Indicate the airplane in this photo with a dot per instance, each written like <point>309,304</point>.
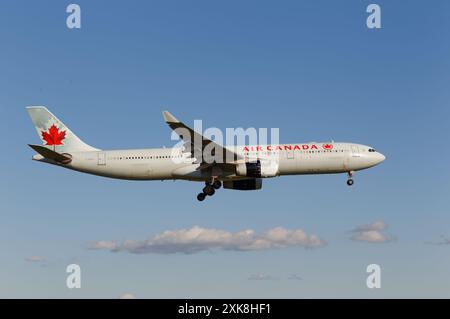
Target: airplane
<point>234,167</point>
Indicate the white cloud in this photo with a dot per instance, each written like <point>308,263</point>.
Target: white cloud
<point>262,276</point>
<point>372,236</point>
<point>103,244</point>
<point>127,296</point>
<point>35,259</point>
<point>197,239</point>
<point>294,277</point>
<point>443,241</point>
<point>371,233</point>
<point>377,226</point>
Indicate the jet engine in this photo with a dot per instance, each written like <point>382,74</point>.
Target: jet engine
<point>257,169</point>
<point>244,184</point>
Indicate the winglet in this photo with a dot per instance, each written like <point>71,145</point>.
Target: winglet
<point>169,118</point>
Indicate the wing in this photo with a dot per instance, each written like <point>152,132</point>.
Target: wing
<point>207,152</point>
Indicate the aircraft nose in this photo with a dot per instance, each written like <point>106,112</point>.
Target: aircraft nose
<point>381,157</point>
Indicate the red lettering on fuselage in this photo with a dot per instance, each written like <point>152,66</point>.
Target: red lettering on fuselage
<point>290,147</point>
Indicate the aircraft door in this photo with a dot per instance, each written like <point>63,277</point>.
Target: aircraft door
<point>355,151</point>
<point>288,165</point>
<point>101,159</point>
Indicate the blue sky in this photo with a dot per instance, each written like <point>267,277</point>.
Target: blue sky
<point>311,68</point>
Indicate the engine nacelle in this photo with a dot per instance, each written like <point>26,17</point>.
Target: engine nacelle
<point>257,169</point>
<point>244,185</point>
<point>249,169</point>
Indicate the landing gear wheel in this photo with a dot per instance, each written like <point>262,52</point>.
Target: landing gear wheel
<point>350,182</point>
<point>217,184</point>
<point>201,197</point>
<point>209,190</point>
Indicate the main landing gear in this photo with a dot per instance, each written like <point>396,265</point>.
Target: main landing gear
<point>350,180</point>
<point>209,189</point>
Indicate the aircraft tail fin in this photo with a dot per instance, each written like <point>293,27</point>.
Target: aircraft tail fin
<point>54,134</point>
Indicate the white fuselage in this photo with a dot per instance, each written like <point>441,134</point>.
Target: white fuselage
<point>172,163</point>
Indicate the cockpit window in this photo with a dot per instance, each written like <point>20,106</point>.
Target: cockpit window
<point>371,150</point>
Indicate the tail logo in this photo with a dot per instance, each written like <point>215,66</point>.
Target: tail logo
<point>53,136</point>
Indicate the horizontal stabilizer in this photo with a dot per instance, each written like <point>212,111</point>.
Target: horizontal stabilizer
<point>52,155</point>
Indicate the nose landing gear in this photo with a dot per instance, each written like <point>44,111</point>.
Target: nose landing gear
<point>350,180</point>
<point>209,189</point>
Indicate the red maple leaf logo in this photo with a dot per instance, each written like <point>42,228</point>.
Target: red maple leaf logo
<point>53,136</point>
<point>327,146</point>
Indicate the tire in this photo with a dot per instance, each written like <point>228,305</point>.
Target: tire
<point>201,197</point>
<point>217,184</point>
<point>350,182</point>
<point>209,190</point>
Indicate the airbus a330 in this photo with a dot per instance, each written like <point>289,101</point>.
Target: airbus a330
<point>237,167</point>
